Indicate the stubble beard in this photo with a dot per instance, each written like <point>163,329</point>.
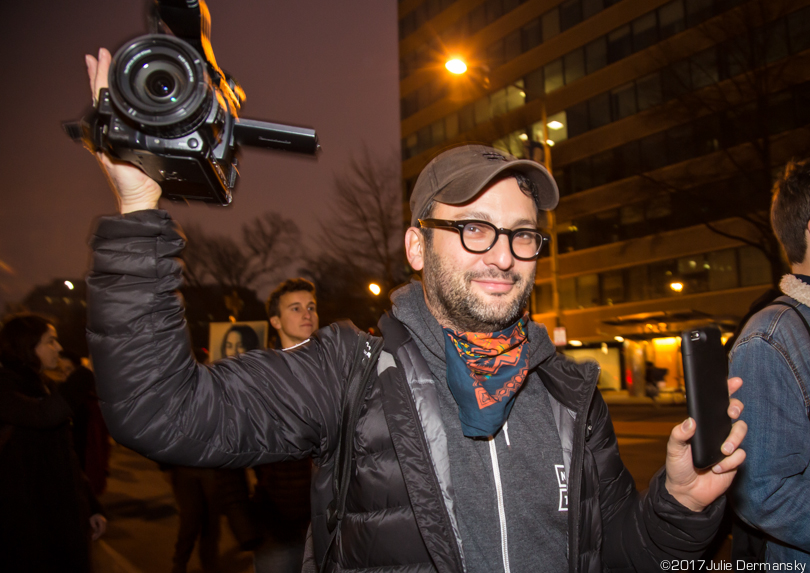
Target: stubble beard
<point>452,301</point>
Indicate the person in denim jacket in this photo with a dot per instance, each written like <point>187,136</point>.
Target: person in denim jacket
<point>772,490</point>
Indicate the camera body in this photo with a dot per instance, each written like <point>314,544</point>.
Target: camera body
<point>172,112</point>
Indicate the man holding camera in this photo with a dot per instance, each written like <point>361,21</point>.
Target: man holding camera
<point>477,448</point>
<point>772,493</point>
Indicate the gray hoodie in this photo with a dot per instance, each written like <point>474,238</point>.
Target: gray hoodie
<point>509,491</point>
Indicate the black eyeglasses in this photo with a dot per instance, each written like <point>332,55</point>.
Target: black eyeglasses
<point>479,237</point>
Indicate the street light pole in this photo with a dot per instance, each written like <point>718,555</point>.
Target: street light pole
<point>552,227</point>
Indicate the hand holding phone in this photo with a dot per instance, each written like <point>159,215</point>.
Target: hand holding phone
<point>705,371</point>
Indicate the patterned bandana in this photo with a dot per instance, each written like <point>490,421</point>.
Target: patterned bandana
<point>484,372</point>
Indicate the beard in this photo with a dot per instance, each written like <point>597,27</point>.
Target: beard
<point>449,295</point>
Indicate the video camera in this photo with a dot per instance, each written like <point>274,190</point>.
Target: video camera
<point>171,111</point>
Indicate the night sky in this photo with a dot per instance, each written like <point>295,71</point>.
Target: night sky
<point>317,63</point>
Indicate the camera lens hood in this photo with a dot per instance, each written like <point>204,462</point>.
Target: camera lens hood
<point>161,83</point>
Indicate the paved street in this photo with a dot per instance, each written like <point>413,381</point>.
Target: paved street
<point>143,522</point>
<point>143,519</point>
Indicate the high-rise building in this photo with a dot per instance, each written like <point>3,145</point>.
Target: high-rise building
<point>665,122</point>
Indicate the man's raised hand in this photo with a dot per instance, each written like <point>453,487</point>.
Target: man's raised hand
<point>133,188</point>
<point>695,488</point>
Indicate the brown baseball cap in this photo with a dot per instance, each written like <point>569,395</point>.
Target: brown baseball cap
<point>456,176</point>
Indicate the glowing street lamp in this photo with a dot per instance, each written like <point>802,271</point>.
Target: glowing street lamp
<point>69,285</point>
<point>456,66</point>
<point>676,286</point>
<point>375,289</point>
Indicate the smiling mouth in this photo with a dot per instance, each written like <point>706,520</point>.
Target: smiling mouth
<point>494,286</point>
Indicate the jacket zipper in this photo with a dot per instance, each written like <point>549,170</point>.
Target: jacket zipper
<point>575,477</point>
<point>501,511</point>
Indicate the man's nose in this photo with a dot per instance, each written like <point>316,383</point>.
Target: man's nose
<point>500,255</point>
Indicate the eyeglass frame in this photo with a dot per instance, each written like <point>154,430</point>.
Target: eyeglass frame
<point>510,233</point>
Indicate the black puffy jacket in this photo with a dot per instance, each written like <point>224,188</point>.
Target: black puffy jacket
<point>268,406</point>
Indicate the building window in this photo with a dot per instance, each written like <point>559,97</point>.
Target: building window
<point>577,119</point>
<point>654,152</point>
<point>587,291</point>
<point>551,24</point>
<point>773,40</point>
<point>494,10</point>
<point>494,54</point>
<point>482,111</point>
<point>574,65</point>
<point>515,96</point>
<point>754,267</point>
<point>532,35</point>
<point>591,8</point>
<point>649,91</point>
<point>599,111</point>
<point>498,103</point>
<point>596,55</point>
<point>477,18</point>
<point>671,19</point>
<point>554,75</point>
<point>512,47</point>
<point>645,32</point>
<point>722,266</point>
<point>570,14</point>
<point>799,30</point>
<point>623,101</point>
<point>704,69</point>
<point>698,11</point>
<point>451,125</point>
<point>535,85</point>
<point>466,118</point>
<point>612,288</point>
<point>619,44</point>
<point>437,132</point>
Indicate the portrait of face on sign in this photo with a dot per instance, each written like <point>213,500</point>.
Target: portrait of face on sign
<point>229,339</point>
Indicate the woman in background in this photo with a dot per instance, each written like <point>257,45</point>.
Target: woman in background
<point>47,513</point>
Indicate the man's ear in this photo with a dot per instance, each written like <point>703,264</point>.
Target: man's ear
<point>275,322</point>
<point>415,248</point>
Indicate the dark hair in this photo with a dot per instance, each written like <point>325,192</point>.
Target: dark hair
<point>19,338</point>
<point>288,286</point>
<point>526,185</point>
<point>790,209</point>
<point>250,340</point>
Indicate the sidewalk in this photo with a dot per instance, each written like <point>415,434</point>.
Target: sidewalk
<point>143,522</point>
<point>623,397</point>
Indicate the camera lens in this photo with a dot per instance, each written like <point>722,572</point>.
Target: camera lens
<point>160,85</point>
<point>159,82</point>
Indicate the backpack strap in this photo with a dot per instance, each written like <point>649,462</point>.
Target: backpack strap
<point>366,354</point>
<point>801,316</point>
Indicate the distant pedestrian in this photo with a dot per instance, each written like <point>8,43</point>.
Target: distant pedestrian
<point>48,514</point>
<point>282,488</point>
<point>90,436</point>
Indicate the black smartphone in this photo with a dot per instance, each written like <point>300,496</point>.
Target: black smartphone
<point>705,371</point>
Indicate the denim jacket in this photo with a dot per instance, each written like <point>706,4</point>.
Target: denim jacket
<point>772,488</point>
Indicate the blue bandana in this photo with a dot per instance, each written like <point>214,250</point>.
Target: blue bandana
<point>484,372</point>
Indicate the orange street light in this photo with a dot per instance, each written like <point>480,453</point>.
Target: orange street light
<point>375,289</point>
<point>456,66</point>
<point>676,286</point>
